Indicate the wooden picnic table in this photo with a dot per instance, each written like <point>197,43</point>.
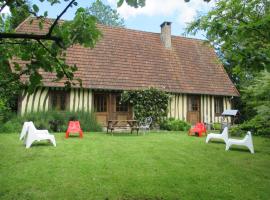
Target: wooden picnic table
<point>133,124</point>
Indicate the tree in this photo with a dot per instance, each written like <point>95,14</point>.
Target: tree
<point>239,30</point>
<point>257,99</point>
<point>105,14</point>
<point>46,52</point>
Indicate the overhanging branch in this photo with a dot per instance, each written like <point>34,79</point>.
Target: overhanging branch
<point>58,18</point>
<point>28,36</point>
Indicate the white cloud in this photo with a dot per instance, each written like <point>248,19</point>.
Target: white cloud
<point>5,10</point>
<point>184,12</point>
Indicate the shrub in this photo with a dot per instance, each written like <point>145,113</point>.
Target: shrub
<point>172,124</point>
<point>52,120</point>
<point>216,126</point>
<point>259,125</point>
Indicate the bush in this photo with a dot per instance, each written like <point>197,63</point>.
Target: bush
<point>258,126</point>
<point>216,126</point>
<point>52,120</point>
<point>172,124</point>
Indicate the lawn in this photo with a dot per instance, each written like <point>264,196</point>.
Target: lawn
<point>155,166</point>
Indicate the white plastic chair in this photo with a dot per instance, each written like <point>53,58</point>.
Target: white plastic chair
<point>223,136</point>
<point>24,130</point>
<point>145,125</point>
<point>247,141</point>
<point>32,135</point>
<point>26,127</point>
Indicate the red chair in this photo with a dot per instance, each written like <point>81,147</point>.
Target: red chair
<point>74,127</point>
<point>199,128</point>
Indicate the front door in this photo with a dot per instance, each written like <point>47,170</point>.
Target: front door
<point>193,114</point>
<point>101,107</point>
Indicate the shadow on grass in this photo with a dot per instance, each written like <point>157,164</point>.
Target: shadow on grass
<point>41,144</point>
<point>241,150</point>
<point>126,134</point>
<point>216,142</point>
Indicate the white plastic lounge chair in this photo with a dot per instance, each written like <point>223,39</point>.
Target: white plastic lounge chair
<point>223,136</point>
<point>247,141</point>
<point>24,130</point>
<point>33,135</point>
<point>26,127</point>
<point>145,125</point>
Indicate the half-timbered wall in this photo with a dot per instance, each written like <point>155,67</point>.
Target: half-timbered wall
<point>36,102</point>
<point>81,100</point>
<point>178,107</point>
<point>39,100</point>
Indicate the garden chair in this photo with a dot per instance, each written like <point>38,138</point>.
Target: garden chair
<point>26,128</point>
<point>145,124</point>
<point>199,128</point>
<point>223,136</point>
<point>247,142</point>
<point>74,127</point>
<point>33,135</point>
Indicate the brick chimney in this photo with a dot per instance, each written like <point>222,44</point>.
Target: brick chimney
<point>165,36</point>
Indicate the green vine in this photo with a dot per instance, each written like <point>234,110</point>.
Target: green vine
<point>148,103</point>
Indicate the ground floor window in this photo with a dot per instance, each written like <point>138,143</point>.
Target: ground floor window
<point>121,106</point>
<point>218,106</point>
<point>58,100</point>
<point>100,102</point>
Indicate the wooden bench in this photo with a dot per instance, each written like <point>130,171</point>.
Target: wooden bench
<point>132,124</point>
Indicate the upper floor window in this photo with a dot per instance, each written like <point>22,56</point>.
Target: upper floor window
<point>121,106</point>
<point>218,106</point>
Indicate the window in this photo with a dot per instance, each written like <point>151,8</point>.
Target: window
<point>218,106</point>
<point>100,103</point>
<point>58,100</point>
<point>194,103</point>
<point>121,106</point>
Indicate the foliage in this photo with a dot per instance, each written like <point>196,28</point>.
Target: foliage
<point>48,53</point>
<point>8,95</point>
<point>257,98</point>
<point>239,30</point>
<point>217,126</point>
<point>148,103</point>
<point>19,13</point>
<point>52,120</point>
<point>172,124</point>
<point>105,14</point>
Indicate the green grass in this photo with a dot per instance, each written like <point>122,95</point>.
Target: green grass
<point>155,166</point>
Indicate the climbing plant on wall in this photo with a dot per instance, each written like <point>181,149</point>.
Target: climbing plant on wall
<point>148,102</point>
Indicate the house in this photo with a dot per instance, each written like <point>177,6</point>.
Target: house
<point>127,59</point>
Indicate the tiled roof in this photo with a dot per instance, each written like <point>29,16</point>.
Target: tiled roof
<point>127,59</point>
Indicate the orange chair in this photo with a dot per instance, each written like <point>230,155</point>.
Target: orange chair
<point>199,128</point>
<point>74,127</point>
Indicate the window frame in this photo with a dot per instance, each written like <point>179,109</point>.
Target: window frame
<point>218,105</point>
<point>119,106</point>
<point>100,104</point>
<point>56,100</point>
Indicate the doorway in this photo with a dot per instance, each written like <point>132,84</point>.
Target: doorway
<point>193,114</point>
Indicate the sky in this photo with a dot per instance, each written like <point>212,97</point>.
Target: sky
<point>147,18</point>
